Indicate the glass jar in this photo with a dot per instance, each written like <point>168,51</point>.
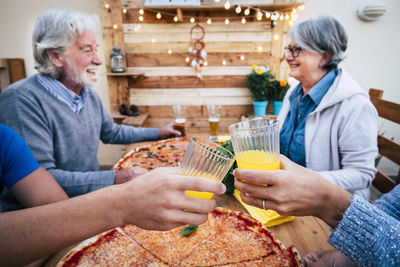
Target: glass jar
<point>117,60</point>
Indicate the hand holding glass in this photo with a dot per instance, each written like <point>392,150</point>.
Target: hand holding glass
<point>256,144</point>
<point>180,118</point>
<point>205,159</point>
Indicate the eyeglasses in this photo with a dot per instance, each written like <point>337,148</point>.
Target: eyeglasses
<point>293,50</point>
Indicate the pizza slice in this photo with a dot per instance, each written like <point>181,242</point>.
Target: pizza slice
<point>233,238</point>
<point>169,246</point>
<point>110,249</point>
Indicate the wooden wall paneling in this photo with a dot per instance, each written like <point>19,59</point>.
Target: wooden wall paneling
<point>187,82</point>
<point>188,71</point>
<point>227,111</point>
<point>117,86</point>
<point>195,97</point>
<point>240,47</point>
<point>213,59</point>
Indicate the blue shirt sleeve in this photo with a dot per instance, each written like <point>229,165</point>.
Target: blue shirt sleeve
<point>16,160</point>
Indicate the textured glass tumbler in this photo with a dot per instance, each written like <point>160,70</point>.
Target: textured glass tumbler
<point>205,159</point>
<point>256,144</point>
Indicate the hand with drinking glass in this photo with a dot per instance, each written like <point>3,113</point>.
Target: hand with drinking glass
<point>180,118</point>
<point>256,146</point>
<point>205,159</point>
<point>214,112</point>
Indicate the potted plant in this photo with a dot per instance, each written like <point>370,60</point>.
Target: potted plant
<point>259,82</point>
<point>280,89</point>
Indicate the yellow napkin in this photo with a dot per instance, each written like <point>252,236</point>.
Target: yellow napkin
<point>267,217</point>
<point>223,138</point>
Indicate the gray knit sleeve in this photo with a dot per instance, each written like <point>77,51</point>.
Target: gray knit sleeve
<point>368,235</point>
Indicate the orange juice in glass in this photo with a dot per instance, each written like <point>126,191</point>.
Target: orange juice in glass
<point>205,159</point>
<point>256,144</point>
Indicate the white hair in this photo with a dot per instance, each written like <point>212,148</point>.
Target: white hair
<point>320,35</point>
<point>58,29</point>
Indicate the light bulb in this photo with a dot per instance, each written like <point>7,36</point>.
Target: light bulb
<point>141,11</point>
<point>291,22</point>
<point>243,20</point>
<point>107,6</point>
<point>124,10</point>
<point>205,63</point>
<point>209,21</point>
<point>176,19</point>
<point>187,59</point>
<point>217,1</point>
<point>224,62</point>
<point>153,40</point>
<point>226,21</point>
<point>287,17</point>
<point>267,15</point>
<point>259,15</point>
<point>242,57</point>
<point>158,16</point>
<point>227,5</point>
<point>301,7</point>
<point>238,9</point>
<point>192,20</point>
<point>140,18</point>
<point>259,49</point>
<point>115,26</point>
<point>276,37</point>
<point>169,51</point>
<point>247,11</point>
<point>282,17</point>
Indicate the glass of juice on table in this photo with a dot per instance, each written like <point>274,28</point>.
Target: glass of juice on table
<point>256,144</point>
<point>205,159</point>
<point>213,118</point>
<point>180,118</point>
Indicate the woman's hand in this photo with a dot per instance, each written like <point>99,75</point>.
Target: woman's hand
<point>293,190</point>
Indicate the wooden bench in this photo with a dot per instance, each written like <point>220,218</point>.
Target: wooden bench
<point>387,148</point>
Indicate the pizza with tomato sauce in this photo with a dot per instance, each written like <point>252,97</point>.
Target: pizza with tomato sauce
<point>165,153</point>
<point>228,238</point>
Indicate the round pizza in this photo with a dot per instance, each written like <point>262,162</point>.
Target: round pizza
<point>228,238</point>
<point>165,153</point>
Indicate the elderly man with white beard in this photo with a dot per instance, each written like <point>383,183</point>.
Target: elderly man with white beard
<point>57,112</point>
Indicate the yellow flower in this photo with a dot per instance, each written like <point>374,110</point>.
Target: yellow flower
<point>260,71</point>
<point>282,83</point>
<point>253,67</point>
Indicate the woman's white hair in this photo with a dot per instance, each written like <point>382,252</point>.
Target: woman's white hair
<point>58,29</point>
<point>323,34</point>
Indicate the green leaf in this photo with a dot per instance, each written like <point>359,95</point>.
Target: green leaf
<point>229,180</point>
<point>189,229</point>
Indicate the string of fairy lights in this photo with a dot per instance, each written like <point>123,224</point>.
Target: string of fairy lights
<point>244,13</point>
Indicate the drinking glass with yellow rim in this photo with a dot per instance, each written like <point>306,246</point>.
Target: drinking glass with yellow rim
<point>256,144</point>
<point>205,159</point>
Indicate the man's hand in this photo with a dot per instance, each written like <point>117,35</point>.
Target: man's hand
<point>329,258</point>
<point>157,200</point>
<point>167,131</point>
<point>126,175</point>
<point>293,190</point>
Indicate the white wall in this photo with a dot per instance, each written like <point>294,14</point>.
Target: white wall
<point>373,51</point>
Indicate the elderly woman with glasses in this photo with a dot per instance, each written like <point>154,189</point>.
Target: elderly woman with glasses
<point>329,125</point>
